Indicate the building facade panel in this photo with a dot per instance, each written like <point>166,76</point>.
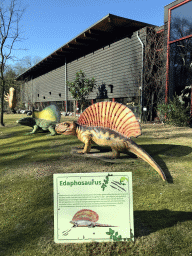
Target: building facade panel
<point>48,87</point>
<point>116,65</point>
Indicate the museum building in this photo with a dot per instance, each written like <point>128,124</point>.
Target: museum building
<point>113,51</point>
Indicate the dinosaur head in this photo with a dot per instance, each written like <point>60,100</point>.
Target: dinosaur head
<point>28,121</point>
<point>66,128</point>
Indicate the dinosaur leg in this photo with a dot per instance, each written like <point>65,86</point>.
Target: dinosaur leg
<point>134,148</point>
<point>87,147</point>
<point>115,153</point>
<point>35,128</point>
<point>52,130</point>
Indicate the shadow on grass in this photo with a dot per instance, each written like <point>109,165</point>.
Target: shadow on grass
<point>147,222</point>
<point>169,150</point>
<point>28,155</point>
<point>155,149</point>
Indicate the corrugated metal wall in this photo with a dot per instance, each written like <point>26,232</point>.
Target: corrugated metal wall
<point>118,64</point>
<point>50,86</point>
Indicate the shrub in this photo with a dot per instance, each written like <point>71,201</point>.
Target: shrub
<point>174,113</point>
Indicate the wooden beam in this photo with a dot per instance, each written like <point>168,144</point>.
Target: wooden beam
<point>98,32</point>
<point>81,41</point>
<point>90,37</point>
<point>76,47</point>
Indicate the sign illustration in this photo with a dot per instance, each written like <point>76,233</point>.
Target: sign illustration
<point>93,207</point>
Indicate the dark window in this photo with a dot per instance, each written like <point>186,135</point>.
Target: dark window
<point>181,21</point>
<point>180,55</point>
<point>180,66</point>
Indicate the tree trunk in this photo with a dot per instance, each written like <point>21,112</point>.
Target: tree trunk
<point>2,102</point>
<point>151,109</point>
<point>75,107</point>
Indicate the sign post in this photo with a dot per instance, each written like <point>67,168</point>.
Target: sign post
<point>93,207</point>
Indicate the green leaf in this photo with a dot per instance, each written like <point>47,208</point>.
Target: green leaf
<point>111,231</point>
<point>114,238</point>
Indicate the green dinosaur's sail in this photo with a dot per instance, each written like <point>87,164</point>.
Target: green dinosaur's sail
<point>50,113</point>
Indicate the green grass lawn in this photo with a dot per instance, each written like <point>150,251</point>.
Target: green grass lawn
<point>162,210</point>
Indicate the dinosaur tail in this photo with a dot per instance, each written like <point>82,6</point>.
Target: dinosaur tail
<point>104,225</point>
<point>134,148</point>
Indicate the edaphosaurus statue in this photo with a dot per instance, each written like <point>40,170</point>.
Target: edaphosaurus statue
<point>108,124</point>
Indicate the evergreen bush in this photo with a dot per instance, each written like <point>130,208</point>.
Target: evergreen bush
<point>174,112</point>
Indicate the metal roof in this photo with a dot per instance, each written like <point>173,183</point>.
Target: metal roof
<point>107,30</point>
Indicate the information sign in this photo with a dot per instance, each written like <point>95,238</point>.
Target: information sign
<point>93,207</point>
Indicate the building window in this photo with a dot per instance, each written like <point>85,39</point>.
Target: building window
<point>111,88</point>
<point>180,67</point>
<point>180,49</point>
<point>181,21</point>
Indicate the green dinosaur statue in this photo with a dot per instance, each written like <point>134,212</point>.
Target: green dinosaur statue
<point>44,120</point>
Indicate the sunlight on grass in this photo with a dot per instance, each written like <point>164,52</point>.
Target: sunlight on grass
<point>162,210</point>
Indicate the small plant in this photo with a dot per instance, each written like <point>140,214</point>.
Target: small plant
<point>106,181</point>
<point>132,236</point>
<point>174,113</point>
<point>81,87</point>
<point>114,235</point>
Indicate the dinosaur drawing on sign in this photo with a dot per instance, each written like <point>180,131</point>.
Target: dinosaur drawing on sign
<point>85,218</point>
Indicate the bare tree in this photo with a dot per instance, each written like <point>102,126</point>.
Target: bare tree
<point>154,70</point>
<point>10,17</point>
<point>28,61</point>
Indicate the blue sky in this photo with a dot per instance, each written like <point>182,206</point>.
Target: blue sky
<point>49,24</point>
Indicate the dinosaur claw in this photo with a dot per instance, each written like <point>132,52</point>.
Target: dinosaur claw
<point>80,152</point>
